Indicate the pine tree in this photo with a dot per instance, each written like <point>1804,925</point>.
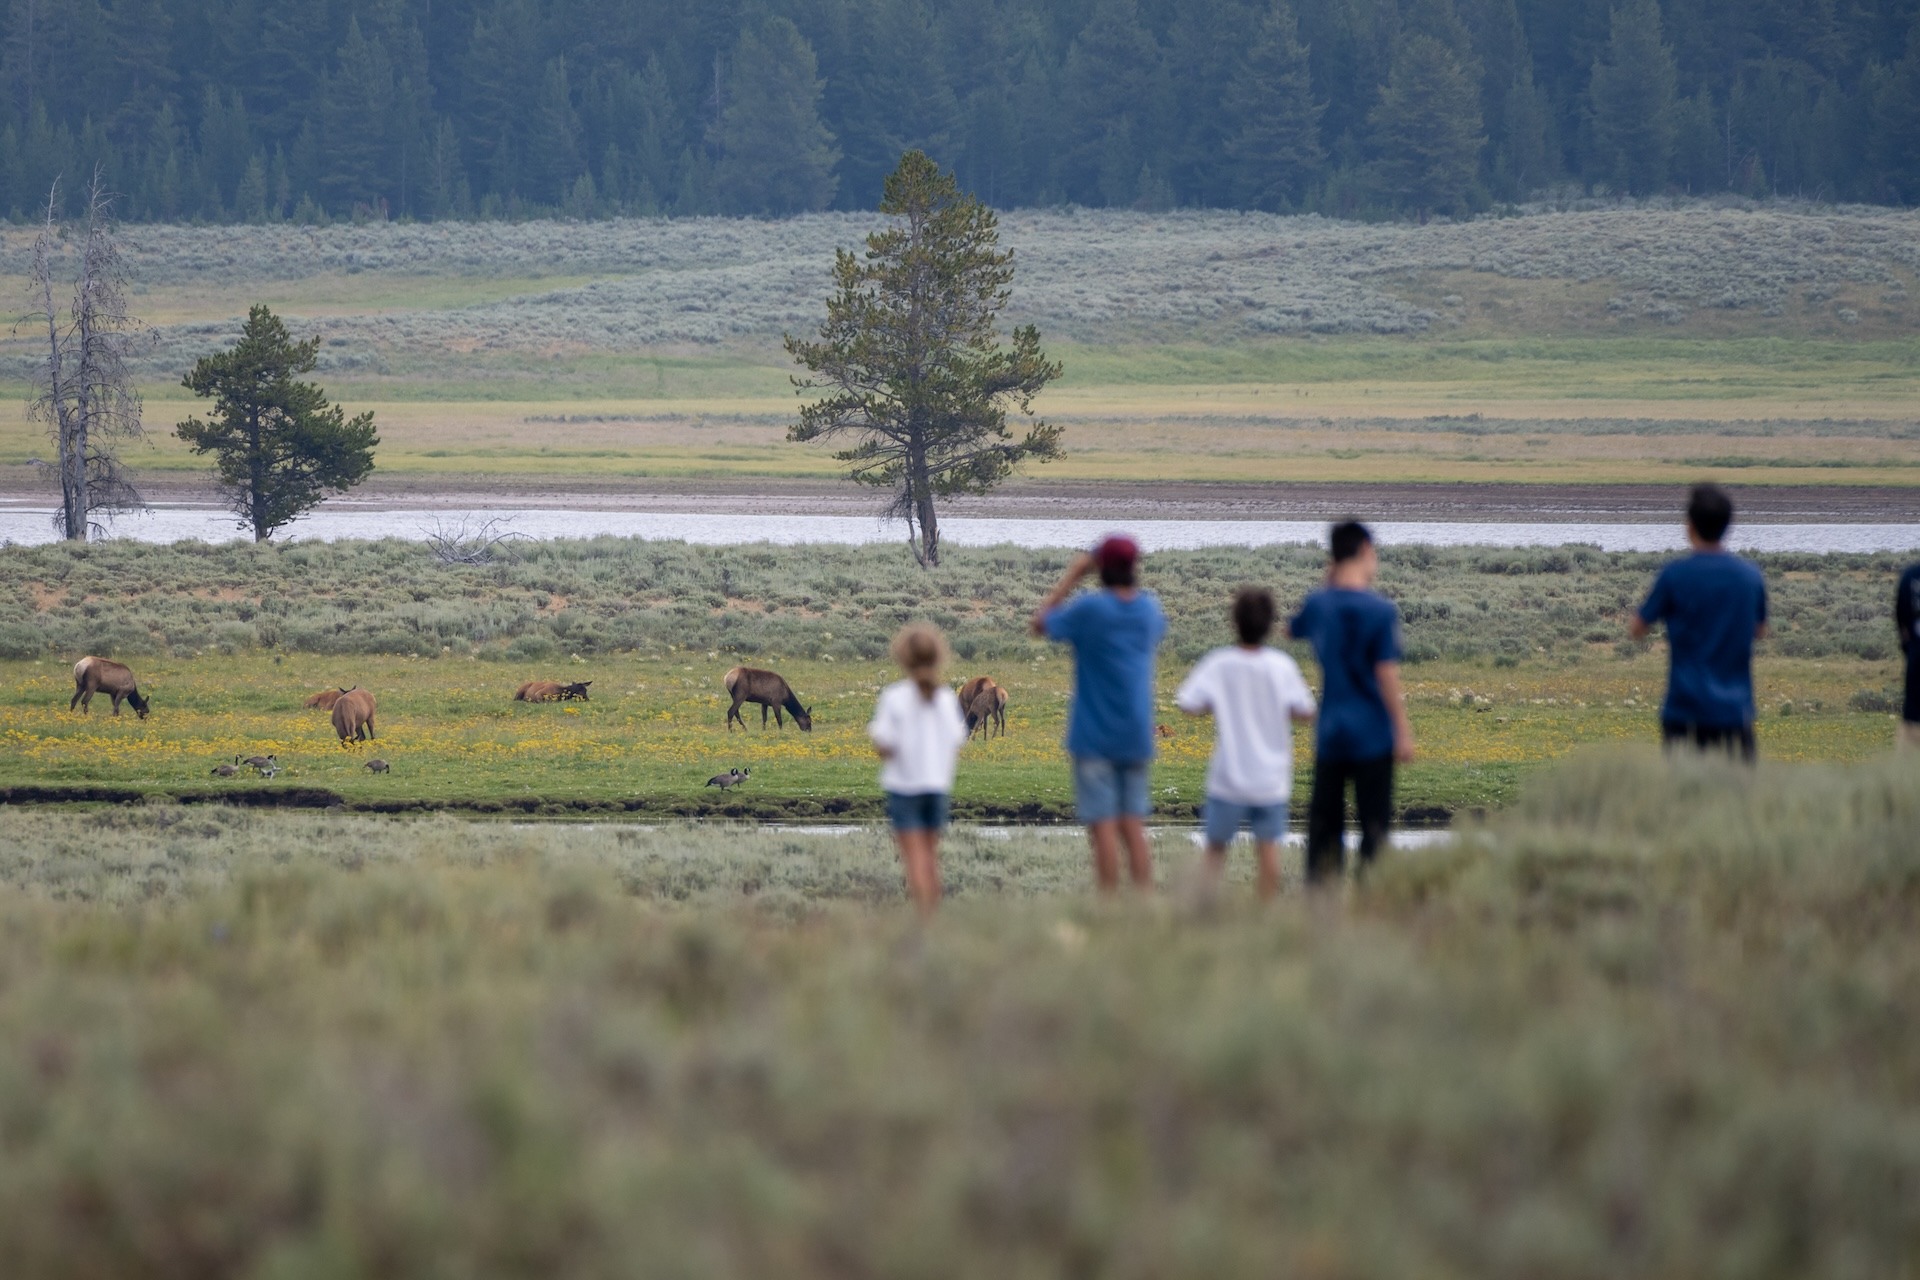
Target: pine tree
<point>1631,96</point>
<point>357,119</point>
<point>279,447</point>
<point>1426,130</point>
<point>250,195</point>
<point>1273,119</point>
<point>553,163</point>
<point>909,362</point>
<point>893,97</point>
<point>776,157</point>
<point>1112,96</point>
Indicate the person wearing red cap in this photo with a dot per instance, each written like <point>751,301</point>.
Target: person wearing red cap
<point>1115,633</point>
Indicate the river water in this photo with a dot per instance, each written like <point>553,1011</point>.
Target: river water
<point>30,523</point>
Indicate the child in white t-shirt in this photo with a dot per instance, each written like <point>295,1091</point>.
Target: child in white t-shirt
<point>1254,694</point>
<point>918,730</point>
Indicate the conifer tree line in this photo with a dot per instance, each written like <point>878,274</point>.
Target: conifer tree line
<point>250,110</point>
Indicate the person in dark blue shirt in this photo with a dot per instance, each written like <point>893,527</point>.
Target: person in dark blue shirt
<point>1364,730</point>
<point>1715,607</point>
<point>1906,617</point>
<point>1115,633</point>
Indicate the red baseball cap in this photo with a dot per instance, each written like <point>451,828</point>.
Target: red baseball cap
<point>1117,552</point>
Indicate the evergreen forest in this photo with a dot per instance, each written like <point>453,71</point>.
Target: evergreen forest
<point>258,110</point>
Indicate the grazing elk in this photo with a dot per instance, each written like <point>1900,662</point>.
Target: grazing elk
<point>770,691</point>
<point>325,699</point>
<point>971,690</point>
<point>353,716</point>
<point>99,675</point>
<point>987,711</point>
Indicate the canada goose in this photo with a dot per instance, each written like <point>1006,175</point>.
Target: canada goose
<point>225,770</point>
<point>377,766</point>
<point>267,765</point>
<point>731,778</point>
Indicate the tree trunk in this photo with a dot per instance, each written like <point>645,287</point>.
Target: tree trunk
<point>920,504</point>
<point>929,527</point>
<point>257,480</point>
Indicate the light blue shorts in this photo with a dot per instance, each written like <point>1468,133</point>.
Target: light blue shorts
<point>1224,819</point>
<point>1107,789</point>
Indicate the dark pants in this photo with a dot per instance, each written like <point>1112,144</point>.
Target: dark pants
<point>1734,740</point>
<point>1327,811</point>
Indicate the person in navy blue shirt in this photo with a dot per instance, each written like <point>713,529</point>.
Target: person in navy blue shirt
<point>1364,730</point>
<point>1715,607</point>
<point>1906,617</point>
<point>1114,633</point>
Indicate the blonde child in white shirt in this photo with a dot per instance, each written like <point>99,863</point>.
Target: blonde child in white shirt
<point>918,730</point>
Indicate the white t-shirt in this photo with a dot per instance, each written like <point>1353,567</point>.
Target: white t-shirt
<point>925,738</point>
<point>1252,695</point>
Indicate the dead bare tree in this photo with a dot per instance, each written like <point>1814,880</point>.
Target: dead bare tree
<point>86,393</point>
<point>471,540</point>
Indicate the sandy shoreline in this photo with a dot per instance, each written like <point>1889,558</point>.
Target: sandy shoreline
<point>1032,499</point>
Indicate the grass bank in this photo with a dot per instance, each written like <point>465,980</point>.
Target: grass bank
<point>1656,1023</point>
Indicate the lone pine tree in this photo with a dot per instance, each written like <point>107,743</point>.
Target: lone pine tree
<point>909,357</point>
<point>279,447</point>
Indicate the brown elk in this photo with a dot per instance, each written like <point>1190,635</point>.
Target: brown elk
<point>99,675</point>
<point>325,699</point>
<point>353,716</point>
<point>551,691</point>
<point>987,710</point>
<point>770,691</point>
<point>971,690</point>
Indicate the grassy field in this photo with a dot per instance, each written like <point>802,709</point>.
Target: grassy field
<point>654,734</point>
<point>1639,345</point>
<point>1654,1021</point>
<point>1516,659</point>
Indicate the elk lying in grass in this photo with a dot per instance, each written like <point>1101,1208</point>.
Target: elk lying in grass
<point>100,675</point>
<point>552,691</point>
<point>353,716</point>
<point>770,691</point>
<point>325,699</point>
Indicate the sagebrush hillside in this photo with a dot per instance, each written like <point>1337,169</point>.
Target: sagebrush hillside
<point>429,298</point>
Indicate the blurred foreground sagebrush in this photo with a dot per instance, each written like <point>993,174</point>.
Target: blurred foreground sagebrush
<point>1649,1023</point>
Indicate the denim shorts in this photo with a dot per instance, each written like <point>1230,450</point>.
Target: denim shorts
<point>1108,789</point>
<point>1224,819</point>
<point>924,812</point>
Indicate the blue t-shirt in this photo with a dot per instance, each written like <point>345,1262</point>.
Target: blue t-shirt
<point>1712,603</point>
<point>1352,633</point>
<point>1113,648</point>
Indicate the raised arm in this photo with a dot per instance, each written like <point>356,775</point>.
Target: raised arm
<point>1082,565</point>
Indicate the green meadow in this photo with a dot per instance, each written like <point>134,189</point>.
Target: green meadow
<point>1515,659</point>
